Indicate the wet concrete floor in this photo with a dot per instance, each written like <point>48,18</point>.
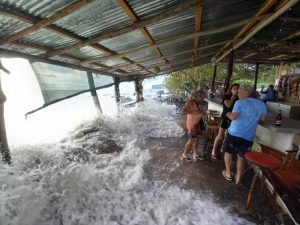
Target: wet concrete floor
<point>206,177</point>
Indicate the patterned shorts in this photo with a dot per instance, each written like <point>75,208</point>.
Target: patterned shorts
<point>194,132</point>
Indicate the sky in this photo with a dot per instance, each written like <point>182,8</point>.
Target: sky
<point>53,122</point>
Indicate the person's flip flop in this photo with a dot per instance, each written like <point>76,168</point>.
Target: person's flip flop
<point>187,159</point>
<point>236,181</point>
<point>214,157</point>
<point>225,176</point>
<point>198,158</point>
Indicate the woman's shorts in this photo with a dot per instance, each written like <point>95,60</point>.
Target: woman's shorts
<point>194,132</point>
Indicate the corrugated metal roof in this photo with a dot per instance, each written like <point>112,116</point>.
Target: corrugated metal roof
<point>98,17</point>
<point>173,26</point>
<point>126,42</point>
<point>46,38</point>
<point>145,8</point>
<point>10,26</point>
<point>115,33</point>
<point>38,8</point>
<point>87,52</point>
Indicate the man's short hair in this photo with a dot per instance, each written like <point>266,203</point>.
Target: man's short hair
<point>248,88</point>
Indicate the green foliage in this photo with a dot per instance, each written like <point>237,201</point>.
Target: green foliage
<point>266,75</point>
<point>189,79</point>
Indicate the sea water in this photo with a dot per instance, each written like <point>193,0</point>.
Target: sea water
<point>95,175</point>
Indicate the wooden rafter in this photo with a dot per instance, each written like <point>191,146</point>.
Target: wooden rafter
<point>197,29</point>
<point>172,55</point>
<point>70,57</point>
<point>129,11</point>
<point>263,10</point>
<point>277,43</point>
<point>159,65</point>
<point>176,40</point>
<point>52,28</point>
<point>250,55</point>
<point>46,22</point>
<point>187,4</point>
<point>278,56</point>
<point>13,54</point>
<point>256,28</point>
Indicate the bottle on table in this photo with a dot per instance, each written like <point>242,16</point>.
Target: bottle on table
<point>278,119</point>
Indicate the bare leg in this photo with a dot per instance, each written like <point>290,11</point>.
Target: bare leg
<point>228,163</point>
<point>187,146</point>
<point>195,146</point>
<point>218,140</point>
<point>240,167</point>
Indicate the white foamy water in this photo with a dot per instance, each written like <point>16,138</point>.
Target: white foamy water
<point>71,183</point>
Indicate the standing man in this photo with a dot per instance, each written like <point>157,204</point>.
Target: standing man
<point>246,114</point>
<point>194,109</point>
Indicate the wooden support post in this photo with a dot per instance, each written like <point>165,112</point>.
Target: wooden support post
<point>117,93</point>
<point>139,89</point>
<point>229,71</point>
<point>117,89</point>
<point>4,148</point>
<point>255,78</point>
<point>214,78</point>
<point>94,93</point>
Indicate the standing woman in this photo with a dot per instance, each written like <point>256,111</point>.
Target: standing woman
<point>228,102</point>
<point>194,111</point>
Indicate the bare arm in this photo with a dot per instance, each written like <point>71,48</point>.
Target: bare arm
<point>229,103</point>
<point>232,115</point>
<point>263,119</point>
<point>189,108</point>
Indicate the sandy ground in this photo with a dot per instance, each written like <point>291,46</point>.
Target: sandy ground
<point>206,177</point>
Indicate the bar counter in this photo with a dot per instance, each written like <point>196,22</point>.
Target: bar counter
<point>280,138</point>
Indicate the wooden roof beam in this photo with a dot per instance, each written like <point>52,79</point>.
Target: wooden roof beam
<point>44,48</point>
<point>172,55</point>
<point>256,29</point>
<point>144,30</point>
<point>185,5</point>
<point>176,40</point>
<point>9,53</point>
<point>28,19</point>
<point>198,13</point>
<point>263,10</point>
<point>47,21</point>
<point>181,61</point>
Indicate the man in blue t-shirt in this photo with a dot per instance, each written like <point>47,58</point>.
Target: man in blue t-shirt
<point>246,114</point>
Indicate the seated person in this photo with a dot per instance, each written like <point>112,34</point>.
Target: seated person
<point>269,94</point>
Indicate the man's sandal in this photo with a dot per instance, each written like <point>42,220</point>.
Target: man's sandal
<point>225,176</point>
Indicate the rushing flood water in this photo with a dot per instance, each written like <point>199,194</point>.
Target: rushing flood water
<point>95,175</point>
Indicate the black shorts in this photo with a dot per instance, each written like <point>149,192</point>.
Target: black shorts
<point>233,145</point>
<point>225,123</point>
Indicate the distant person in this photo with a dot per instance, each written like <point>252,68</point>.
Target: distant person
<point>261,90</point>
<point>246,114</point>
<point>269,94</point>
<point>228,102</point>
<point>194,110</point>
